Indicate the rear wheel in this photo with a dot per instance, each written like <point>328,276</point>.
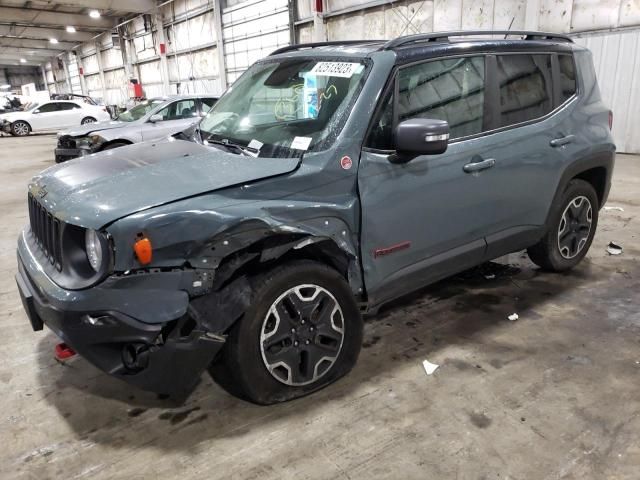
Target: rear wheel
<point>571,229</point>
<point>20,128</point>
<point>88,120</point>
<point>302,332</point>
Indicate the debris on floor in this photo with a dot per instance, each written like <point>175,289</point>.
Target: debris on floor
<point>619,209</point>
<point>614,249</point>
<point>429,367</point>
<point>513,317</point>
<point>490,276</point>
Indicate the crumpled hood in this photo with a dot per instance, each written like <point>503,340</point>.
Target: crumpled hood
<point>84,130</point>
<point>97,189</point>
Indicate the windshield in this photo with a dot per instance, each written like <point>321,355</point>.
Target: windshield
<point>287,107</point>
<point>31,106</point>
<point>139,111</point>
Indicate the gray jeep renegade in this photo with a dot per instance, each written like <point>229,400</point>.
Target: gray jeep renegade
<point>329,179</point>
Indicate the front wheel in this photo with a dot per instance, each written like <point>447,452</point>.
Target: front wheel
<point>572,227</point>
<point>20,128</point>
<point>302,332</point>
<point>87,120</point>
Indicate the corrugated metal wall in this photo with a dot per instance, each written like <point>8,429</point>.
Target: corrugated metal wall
<point>616,57</point>
<point>253,28</point>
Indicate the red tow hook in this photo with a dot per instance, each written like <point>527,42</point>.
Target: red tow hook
<point>64,351</point>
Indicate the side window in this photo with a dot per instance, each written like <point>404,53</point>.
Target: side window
<point>207,103</point>
<point>381,134</point>
<point>49,107</point>
<point>178,110</point>
<point>567,77</point>
<point>525,87</point>
<point>450,89</point>
<point>68,106</point>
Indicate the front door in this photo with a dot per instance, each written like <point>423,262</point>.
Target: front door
<point>176,116</point>
<point>48,116</point>
<point>427,218</point>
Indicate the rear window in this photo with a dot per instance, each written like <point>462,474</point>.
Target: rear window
<point>525,87</point>
<point>567,77</point>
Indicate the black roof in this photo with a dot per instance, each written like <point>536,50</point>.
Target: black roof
<point>410,45</point>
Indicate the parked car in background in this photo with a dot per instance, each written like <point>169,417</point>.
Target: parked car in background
<point>53,115</point>
<point>152,119</point>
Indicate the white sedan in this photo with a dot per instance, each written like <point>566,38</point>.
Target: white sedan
<point>53,115</point>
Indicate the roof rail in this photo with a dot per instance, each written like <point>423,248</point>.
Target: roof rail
<point>444,37</point>
<point>300,46</point>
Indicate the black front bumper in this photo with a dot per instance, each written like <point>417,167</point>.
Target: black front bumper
<point>64,154</point>
<point>166,358</point>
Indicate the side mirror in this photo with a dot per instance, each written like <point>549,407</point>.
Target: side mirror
<point>36,111</point>
<point>421,136</point>
<point>155,118</point>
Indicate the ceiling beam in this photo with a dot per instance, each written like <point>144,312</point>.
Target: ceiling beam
<point>35,44</point>
<point>46,18</point>
<point>132,6</point>
<point>37,33</point>
<point>28,52</point>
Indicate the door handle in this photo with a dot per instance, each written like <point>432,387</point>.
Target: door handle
<point>558,142</point>
<point>477,166</point>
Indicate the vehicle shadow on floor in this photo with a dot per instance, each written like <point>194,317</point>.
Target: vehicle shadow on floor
<point>458,310</point>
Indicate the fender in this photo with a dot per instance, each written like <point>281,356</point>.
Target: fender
<point>603,159</point>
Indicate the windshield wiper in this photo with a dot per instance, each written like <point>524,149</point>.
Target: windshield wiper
<point>246,151</point>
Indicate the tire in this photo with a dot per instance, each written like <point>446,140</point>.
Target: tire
<point>265,362</point>
<point>20,128</point>
<point>113,145</point>
<point>572,226</point>
<point>88,120</point>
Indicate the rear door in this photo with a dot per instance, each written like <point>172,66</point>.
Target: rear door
<point>206,104</point>
<point>73,113</point>
<point>529,144</point>
<point>176,117</point>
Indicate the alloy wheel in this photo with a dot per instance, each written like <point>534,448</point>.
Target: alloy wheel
<point>575,227</point>
<point>88,120</point>
<point>20,129</point>
<point>302,335</point>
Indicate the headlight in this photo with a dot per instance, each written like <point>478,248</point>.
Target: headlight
<point>90,141</point>
<point>93,247</point>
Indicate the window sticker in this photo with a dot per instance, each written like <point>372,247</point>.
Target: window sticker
<point>255,144</point>
<point>336,69</point>
<point>301,143</point>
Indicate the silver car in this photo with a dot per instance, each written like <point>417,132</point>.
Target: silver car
<point>152,119</point>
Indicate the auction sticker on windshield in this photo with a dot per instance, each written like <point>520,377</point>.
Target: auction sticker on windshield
<point>335,69</point>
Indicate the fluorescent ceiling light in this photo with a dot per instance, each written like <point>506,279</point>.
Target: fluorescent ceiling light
<point>94,14</point>
<point>71,29</point>
<point>53,40</point>
<point>22,60</point>
<point>4,87</point>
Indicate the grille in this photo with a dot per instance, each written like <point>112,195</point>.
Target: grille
<point>47,231</point>
<point>66,142</point>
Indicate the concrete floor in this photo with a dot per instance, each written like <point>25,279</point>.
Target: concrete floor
<point>555,394</point>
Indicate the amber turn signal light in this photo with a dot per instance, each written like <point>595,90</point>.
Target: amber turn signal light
<point>143,250</point>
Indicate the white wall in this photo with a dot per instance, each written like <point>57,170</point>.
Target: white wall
<point>616,57</point>
<point>252,29</point>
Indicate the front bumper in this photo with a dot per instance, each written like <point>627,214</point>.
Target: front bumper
<point>64,154</point>
<point>136,329</point>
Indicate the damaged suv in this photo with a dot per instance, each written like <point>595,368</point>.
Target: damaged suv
<point>328,180</point>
